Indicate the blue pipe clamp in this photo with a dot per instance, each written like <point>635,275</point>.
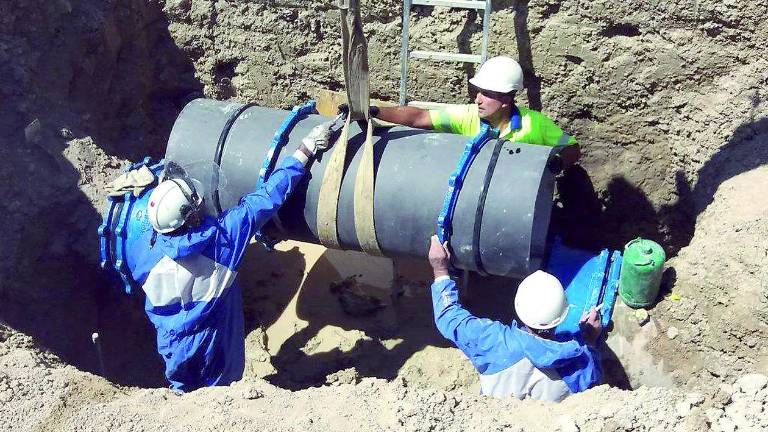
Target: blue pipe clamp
<point>108,224</point>
<point>124,222</point>
<point>279,140</point>
<point>455,182</point>
<point>281,137</point>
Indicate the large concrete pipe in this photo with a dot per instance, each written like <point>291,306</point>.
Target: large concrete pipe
<point>412,170</point>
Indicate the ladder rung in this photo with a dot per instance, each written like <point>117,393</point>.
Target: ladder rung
<point>463,4</point>
<point>436,55</point>
<point>427,105</point>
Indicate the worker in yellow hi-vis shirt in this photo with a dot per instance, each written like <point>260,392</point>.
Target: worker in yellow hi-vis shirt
<point>497,81</point>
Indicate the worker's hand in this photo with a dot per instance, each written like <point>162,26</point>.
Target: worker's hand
<point>590,326</point>
<point>318,139</point>
<point>373,110</point>
<point>439,257</point>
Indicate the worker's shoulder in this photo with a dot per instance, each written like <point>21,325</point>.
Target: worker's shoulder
<point>533,114</point>
<point>457,109</point>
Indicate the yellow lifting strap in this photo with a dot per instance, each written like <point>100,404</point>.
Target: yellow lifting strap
<point>328,201</point>
<point>355,62</point>
<point>365,228</point>
<point>354,59</point>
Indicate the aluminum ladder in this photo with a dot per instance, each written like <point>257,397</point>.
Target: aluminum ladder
<point>406,54</point>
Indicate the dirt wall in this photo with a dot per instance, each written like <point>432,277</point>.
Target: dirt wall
<point>85,86</point>
<point>664,97</point>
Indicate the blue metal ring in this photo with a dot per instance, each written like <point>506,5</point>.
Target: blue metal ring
<point>273,152</point>
<point>281,137</point>
<point>456,181</point>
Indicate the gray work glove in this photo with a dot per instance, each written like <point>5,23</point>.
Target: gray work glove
<point>132,181</point>
<point>319,138</point>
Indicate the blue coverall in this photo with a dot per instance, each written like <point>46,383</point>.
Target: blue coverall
<point>192,296</point>
<point>511,361</point>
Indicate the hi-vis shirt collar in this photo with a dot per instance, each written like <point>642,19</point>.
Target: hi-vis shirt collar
<point>515,122</point>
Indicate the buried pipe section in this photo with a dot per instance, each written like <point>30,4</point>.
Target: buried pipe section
<point>223,145</point>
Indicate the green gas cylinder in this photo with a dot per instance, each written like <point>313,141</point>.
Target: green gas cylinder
<point>641,270</point>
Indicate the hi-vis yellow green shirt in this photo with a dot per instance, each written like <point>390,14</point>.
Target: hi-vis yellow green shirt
<point>525,125</point>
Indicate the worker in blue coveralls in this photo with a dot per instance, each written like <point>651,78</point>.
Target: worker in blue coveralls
<point>189,271</point>
<point>524,361</point>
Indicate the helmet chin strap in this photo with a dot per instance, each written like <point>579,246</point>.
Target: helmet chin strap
<point>188,210</point>
<point>542,333</point>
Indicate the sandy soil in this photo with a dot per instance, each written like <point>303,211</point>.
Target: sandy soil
<point>39,393</point>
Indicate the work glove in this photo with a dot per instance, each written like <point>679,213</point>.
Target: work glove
<point>319,138</point>
<point>132,181</point>
<point>373,110</point>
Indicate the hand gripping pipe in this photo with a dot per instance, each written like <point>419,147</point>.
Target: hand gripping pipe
<point>507,238</point>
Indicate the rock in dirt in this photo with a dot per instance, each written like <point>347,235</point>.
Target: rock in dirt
<point>567,424</point>
<point>751,384</point>
<point>672,332</point>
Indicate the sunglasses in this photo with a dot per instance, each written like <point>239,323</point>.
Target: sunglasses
<point>489,93</point>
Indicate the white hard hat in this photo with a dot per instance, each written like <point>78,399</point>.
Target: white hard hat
<point>540,301</point>
<point>499,74</point>
<point>171,203</point>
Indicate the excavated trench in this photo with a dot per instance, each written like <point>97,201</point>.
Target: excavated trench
<point>670,114</point>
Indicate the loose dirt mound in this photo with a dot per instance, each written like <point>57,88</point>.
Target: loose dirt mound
<point>39,393</point>
<point>711,319</point>
<point>721,317</point>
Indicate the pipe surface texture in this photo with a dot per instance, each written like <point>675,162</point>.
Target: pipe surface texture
<point>412,170</point>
